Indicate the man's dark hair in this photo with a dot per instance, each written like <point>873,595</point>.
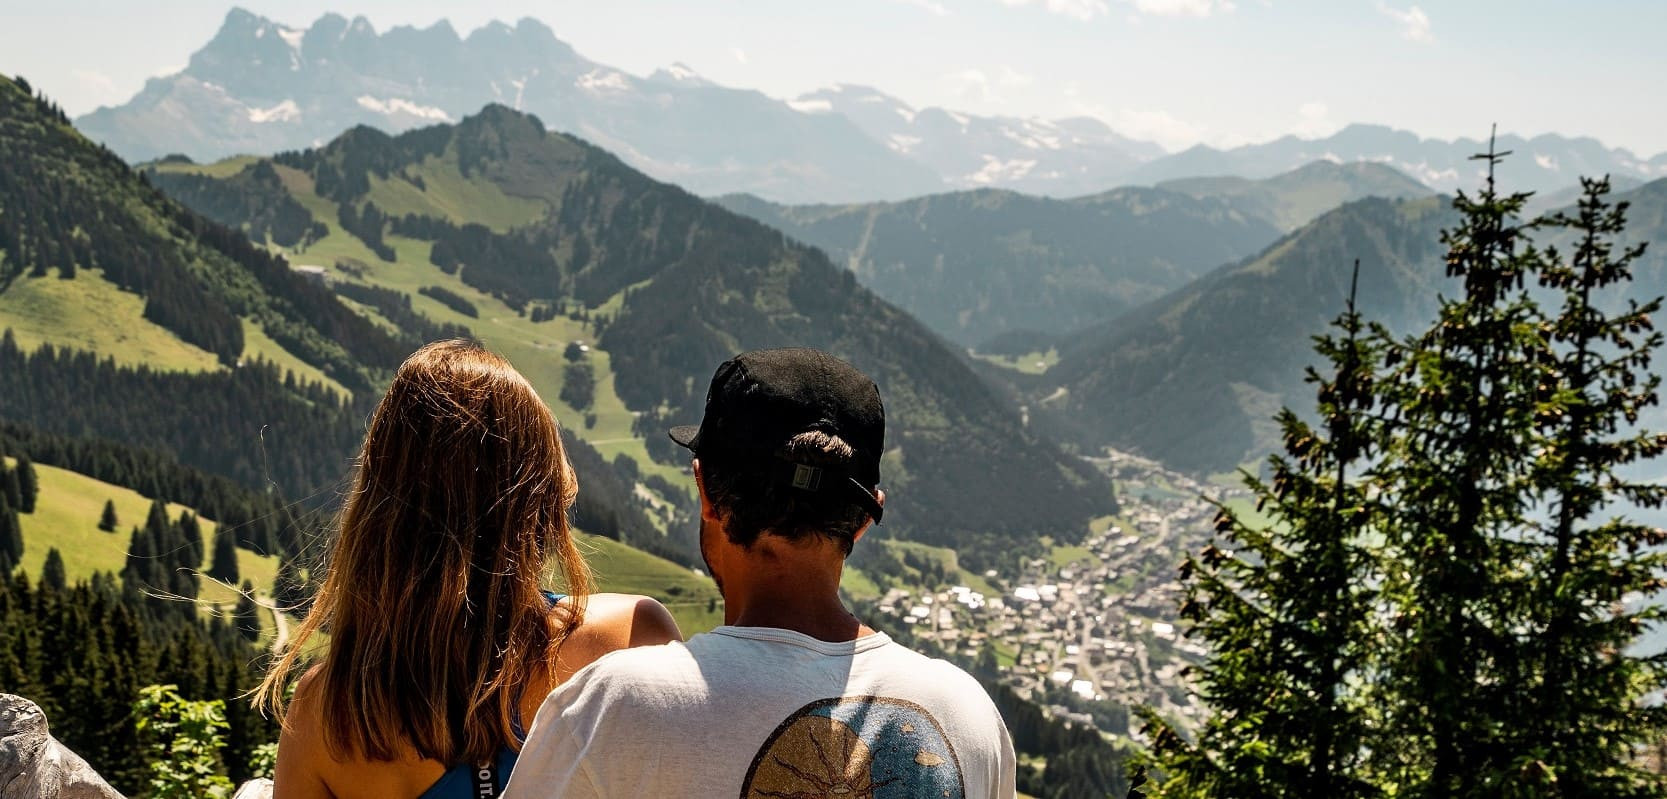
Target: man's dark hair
<point>750,501</point>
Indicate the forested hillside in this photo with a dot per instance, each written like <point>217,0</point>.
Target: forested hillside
<point>198,279</point>
<point>1194,378</point>
<point>551,240</point>
<point>973,265</point>
<point>982,266</point>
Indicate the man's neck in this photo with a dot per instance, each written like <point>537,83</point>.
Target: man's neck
<point>824,619</point>
<point>789,587</point>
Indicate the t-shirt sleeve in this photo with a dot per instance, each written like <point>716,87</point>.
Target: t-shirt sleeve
<point>551,765</point>
<point>555,760</point>
<point>1006,765</point>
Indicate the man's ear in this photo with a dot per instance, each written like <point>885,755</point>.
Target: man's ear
<point>706,509</point>
<point>879,498</point>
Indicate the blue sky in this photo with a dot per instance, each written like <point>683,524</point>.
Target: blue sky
<point>1178,72</point>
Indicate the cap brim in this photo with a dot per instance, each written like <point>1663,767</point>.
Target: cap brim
<point>684,435</point>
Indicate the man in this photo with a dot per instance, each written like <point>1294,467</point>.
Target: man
<point>793,696</point>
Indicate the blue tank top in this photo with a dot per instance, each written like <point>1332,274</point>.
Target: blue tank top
<point>467,781</point>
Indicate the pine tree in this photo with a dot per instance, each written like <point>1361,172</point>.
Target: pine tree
<point>10,486</point>
<point>1456,487</point>
<point>1285,606</point>
<point>1590,710</point>
<point>224,566</point>
<point>11,533</point>
<point>107,520</point>
<point>247,615</point>
<point>52,572</point>
<point>191,536</point>
<point>28,482</point>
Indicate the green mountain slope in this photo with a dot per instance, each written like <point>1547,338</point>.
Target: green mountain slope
<point>128,318</point>
<point>662,286</point>
<point>978,265</point>
<point>71,207</point>
<point>973,265</point>
<point>1193,379</point>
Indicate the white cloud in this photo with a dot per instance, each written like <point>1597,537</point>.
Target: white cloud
<point>168,71</point>
<point>1156,125</point>
<point>984,86</point>
<point>1077,9</point>
<point>931,6</point>
<point>1415,24</point>
<point>96,83</point>
<point>1183,8</point>
<point>1314,121</point>
<point>740,55</point>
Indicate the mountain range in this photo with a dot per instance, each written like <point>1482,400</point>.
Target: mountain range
<point>260,87</point>
<point>1056,158</point>
<point>1544,163</point>
<point>979,265</point>
<point>533,228</point>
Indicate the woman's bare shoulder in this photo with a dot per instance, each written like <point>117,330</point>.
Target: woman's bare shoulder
<point>617,621</point>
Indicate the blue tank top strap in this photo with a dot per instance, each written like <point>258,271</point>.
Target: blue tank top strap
<point>462,781</point>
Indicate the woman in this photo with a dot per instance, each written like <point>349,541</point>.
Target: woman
<point>440,640</point>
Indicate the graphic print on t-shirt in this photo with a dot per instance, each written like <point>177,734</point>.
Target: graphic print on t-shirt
<point>856,747</point>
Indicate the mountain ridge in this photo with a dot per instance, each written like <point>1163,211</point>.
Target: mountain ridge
<point>1546,162</point>
<point>978,264</point>
<point>636,254</point>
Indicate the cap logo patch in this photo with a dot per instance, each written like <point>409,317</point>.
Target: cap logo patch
<point>808,478</point>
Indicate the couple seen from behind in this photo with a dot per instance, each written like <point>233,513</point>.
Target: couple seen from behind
<point>434,663</point>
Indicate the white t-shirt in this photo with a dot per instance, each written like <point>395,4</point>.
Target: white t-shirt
<point>766,712</point>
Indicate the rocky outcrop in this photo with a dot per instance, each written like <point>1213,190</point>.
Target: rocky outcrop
<point>34,765</point>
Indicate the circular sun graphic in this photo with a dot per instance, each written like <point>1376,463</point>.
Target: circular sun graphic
<point>859,747</point>
<point>815,758</point>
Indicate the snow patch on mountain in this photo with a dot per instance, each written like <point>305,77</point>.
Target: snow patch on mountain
<point>996,170</point>
<point>811,106</point>
<point>1546,162</point>
<point>292,37</point>
<point>286,111</point>
<point>603,81</point>
<point>903,143</point>
<point>400,105</point>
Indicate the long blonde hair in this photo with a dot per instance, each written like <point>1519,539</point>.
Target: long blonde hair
<point>432,599</point>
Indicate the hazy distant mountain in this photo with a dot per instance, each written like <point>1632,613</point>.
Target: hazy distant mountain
<point>1543,163</point>
<point>1057,158</point>
<point>1194,378</point>
<point>1295,198</point>
<point>260,87</point>
<point>976,265</point>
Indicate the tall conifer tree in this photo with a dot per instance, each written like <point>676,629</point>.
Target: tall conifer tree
<point>1285,605</point>
<point>1457,489</point>
<point>28,482</point>
<point>1591,706</point>
<point>224,565</point>
<point>52,572</point>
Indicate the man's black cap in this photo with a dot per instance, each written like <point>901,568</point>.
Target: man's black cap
<point>760,400</point>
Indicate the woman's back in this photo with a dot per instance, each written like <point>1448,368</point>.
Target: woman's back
<point>438,635</point>
<point>307,769</point>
